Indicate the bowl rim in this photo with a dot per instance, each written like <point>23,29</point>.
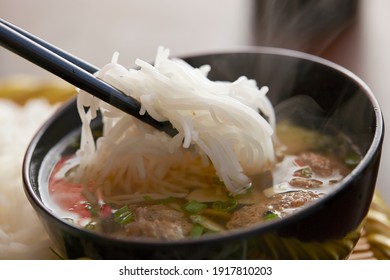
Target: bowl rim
<point>230,235</point>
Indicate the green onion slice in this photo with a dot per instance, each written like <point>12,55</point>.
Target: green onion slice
<point>194,206</point>
<point>124,215</point>
<point>197,230</point>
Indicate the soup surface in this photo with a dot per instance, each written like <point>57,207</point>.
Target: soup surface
<point>310,165</point>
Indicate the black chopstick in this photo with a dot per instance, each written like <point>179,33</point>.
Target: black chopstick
<point>71,69</point>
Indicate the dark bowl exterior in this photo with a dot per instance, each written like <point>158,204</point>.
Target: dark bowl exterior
<point>328,229</point>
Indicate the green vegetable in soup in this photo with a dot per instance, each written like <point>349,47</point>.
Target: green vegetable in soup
<point>195,207</point>
<point>123,215</point>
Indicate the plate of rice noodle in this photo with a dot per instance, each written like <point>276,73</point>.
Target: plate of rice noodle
<point>25,103</point>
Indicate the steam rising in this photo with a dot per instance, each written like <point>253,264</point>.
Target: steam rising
<point>304,25</point>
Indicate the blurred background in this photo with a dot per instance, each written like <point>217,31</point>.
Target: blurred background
<point>351,33</point>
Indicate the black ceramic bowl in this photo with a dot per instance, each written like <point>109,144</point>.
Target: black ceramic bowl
<point>327,229</point>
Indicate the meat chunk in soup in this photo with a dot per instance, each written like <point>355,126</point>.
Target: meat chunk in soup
<point>286,203</point>
<point>321,165</point>
<point>247,216</point>
<point>280,205</point>
<point>305,183</point>
<point>159,222</point>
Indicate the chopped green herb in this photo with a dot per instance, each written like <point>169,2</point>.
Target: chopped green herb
<point>194,206</point>
<point>148,198</point>
<point>124,215</point>
<point>304,172</point>
<point>197,230</point>
<point>269,215</point>
<point>227,205</point>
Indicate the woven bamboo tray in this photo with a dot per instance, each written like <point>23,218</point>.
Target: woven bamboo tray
<point>375,240</point>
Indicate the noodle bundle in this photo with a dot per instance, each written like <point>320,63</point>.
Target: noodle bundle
<point>217,122</point>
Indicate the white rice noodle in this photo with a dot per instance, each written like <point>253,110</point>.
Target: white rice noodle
<point>218,119</point>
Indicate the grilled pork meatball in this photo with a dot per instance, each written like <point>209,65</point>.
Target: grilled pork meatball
<point>159,222</point>
<point>280,205</point>
<point>321,165</point>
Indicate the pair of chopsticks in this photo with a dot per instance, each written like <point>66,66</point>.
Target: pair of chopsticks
<point>73,70</point>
